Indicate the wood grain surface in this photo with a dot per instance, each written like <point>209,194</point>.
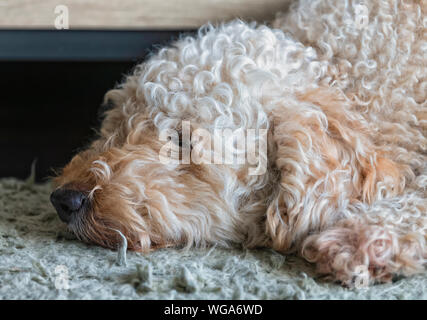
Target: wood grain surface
<point>135,14</point>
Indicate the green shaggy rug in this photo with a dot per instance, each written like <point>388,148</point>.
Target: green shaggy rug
<point>40,260</point>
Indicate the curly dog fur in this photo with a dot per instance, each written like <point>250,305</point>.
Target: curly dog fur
<point>345,110</point>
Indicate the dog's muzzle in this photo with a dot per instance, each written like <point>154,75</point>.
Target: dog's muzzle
<point>68,203</point>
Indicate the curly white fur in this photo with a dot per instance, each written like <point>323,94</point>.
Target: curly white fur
<point>345,108</point>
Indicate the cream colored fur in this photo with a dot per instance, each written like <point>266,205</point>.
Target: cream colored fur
<point>345,108</point>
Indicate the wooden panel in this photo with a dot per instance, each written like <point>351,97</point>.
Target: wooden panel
<point>141,14</point>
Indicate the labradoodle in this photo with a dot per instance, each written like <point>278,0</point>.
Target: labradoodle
<point>329,100</point>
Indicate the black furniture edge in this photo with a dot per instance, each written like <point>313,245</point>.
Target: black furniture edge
<point>81,45</point>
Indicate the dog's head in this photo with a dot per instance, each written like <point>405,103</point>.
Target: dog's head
<point>122,183</point>
<point>217,80</point>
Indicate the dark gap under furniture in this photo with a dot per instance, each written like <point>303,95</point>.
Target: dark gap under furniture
<point>50,97</point>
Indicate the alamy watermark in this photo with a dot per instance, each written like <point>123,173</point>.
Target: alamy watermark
<point>359,17</point>
<point>62,17</point>
<point>222,146</point>
<point>361,273</point>
<point>61,277</point>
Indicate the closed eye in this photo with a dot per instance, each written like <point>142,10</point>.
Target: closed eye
<point>182,143</point>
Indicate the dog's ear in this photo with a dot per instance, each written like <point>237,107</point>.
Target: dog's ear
<point>327,161</point>
<point>347,144</point>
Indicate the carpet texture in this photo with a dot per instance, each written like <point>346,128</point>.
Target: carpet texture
<point>39,259</point>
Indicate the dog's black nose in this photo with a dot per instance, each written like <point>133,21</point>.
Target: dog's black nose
<point>67,203</point>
